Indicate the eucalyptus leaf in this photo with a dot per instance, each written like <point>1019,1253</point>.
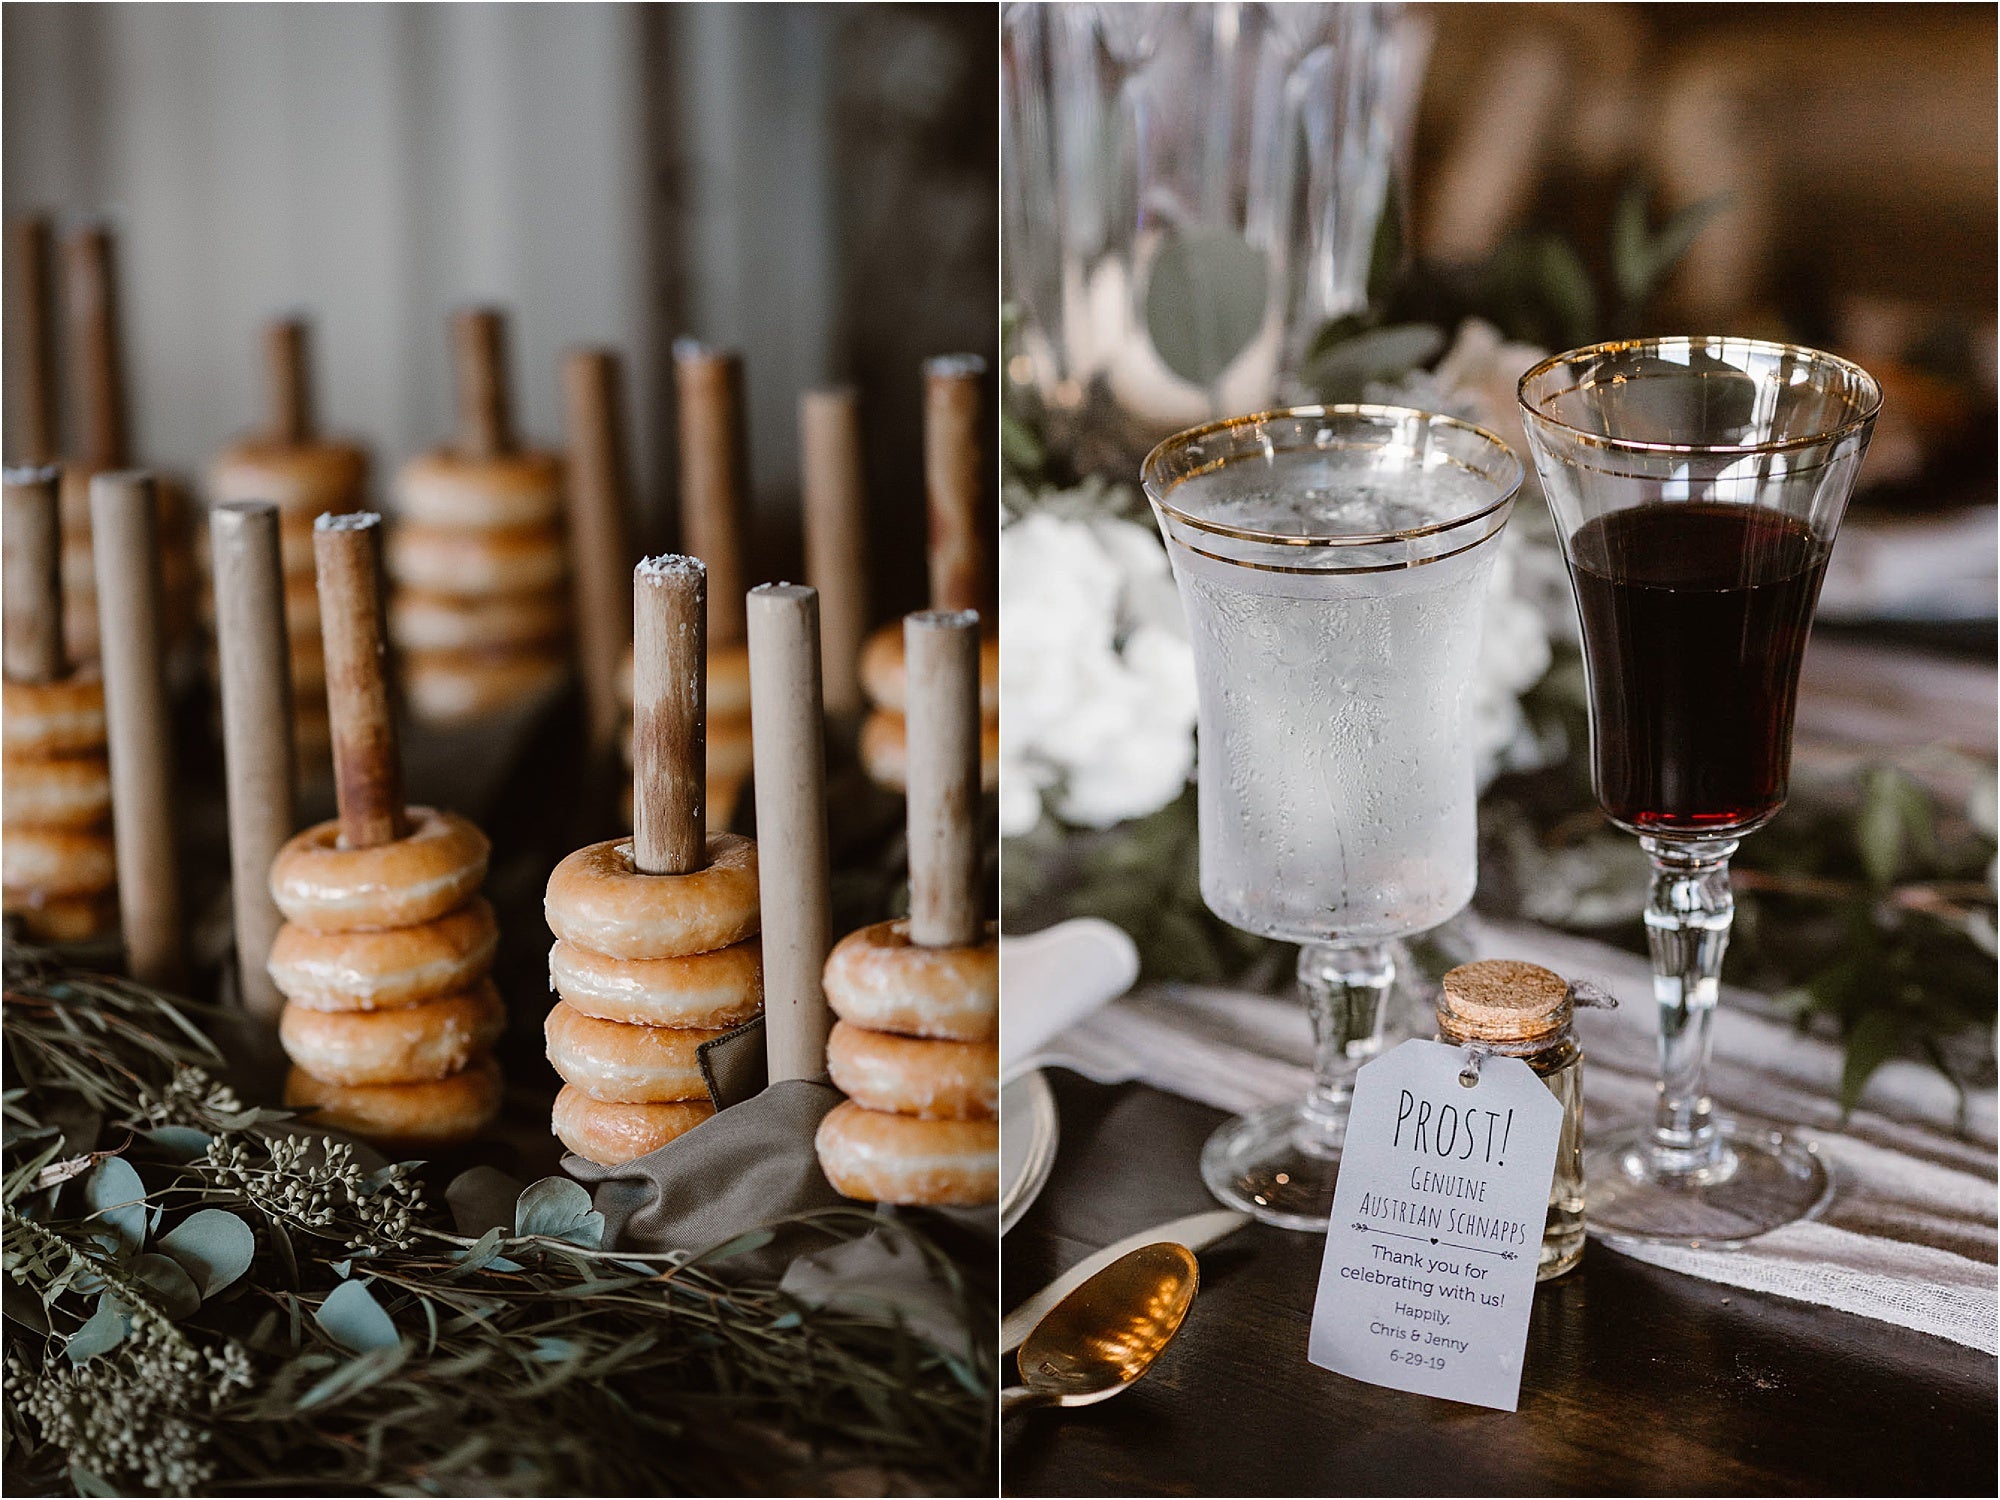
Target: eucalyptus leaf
<point>1205,301</point>
<point>213,1246</point>
<point>171,1286</point>
<point>560,1209</point>
<point>100,1334</point>
<point>1342,371</point>
<point>1872,1042</point>
<point>117,1200</point>
<point>179,1143</point>
<point>352,1318</point>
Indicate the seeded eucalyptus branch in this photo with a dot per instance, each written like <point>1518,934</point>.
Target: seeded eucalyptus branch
<point>204,1298</point>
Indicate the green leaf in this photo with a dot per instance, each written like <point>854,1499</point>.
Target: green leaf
<point>368,1368</point>
<point>100,1334</point>
<point>1879,827</point>
<point>117,1200</point>
<point>179,1143</point>
<point>171,1286</point>
<point>560,1209</point>
<point>1875,1039</point>
<point>1342,371</point>
<point>1205,301</point>
<point>213,1246</point>
<point>352,1318</point>
<point>729,1249</point>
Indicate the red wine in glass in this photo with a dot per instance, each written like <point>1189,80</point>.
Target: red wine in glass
<point>1695,617</point>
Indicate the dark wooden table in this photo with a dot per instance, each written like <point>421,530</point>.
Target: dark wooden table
<point>1638,1381</point>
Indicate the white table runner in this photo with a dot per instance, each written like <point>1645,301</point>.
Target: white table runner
<point>1910,1236</point>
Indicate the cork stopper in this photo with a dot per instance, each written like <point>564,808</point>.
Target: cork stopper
<point>1503,1000</point>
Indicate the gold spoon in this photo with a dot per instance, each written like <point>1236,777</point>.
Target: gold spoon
<point>1104,1335</point>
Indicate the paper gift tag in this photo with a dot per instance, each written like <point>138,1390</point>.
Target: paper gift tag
<point>1429,1273</point>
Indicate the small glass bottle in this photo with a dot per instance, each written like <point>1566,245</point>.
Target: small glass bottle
<point>1515,1009</point>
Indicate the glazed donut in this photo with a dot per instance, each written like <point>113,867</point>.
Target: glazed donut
<point>54,718</point>
<point>454,687</point>
<point>726,747</point>
<point>885,751</point>
<point>58,861</point>
<point>412,1044</point>
<point>419,878</point>
<point>597,901</point>
<point>505,560</point>
<point>728,682</point>
<point>515,489</point>
<point>301,479</point>
<point>64,919</point>
<point>613,1134</point>
<point>884,1158</point>
<point>626,1064</point>
<point>878,979</point>
<point>447,1112</point>
<point>420,620</point>
<point>387,968</point>
<point>911,1076</point>
<point>71,791</point>
<point>884,677</point>
<point>721,989</point>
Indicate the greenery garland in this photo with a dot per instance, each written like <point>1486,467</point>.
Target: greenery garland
<point>208,1298</point>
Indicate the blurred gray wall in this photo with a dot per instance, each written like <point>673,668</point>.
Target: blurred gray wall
<point>813,183</point>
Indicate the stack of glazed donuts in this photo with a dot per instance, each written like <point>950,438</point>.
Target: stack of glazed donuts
<point>383,959</point>
<point>480,615</point>
<point>916,1048</point>
<point>657,948</point>
<point>954,467</point>
<point>60,863</point>
<point>304,476</point>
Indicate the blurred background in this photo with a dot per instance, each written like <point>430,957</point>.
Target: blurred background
<point>814,184</point>
<point>1210,210</point>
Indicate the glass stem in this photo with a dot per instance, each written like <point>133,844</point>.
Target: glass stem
<point>1687,928</point>
<point>1345,989</point>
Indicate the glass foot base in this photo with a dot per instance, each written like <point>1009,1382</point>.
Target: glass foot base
<point>1275,1165</point>
<point>1762,1181</point>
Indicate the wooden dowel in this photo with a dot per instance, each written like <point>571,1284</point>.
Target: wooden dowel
<point>595,474</point>
<point>255,668</point>
<point>485,415</point>
<point>96,358</point>
<point>367,768</point>
<point>789,756</point>
<point>708,384</point>
<point>942,654</point>
<point>836,559</point>
<point>31,376</point>
<point>124,523</point>
<point>288,370</point>
<point>669,715</point>
<point>31,588</point>
<point>955,479</point>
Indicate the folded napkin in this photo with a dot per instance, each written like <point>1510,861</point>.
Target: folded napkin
<point>753,1165</point>
<point>1910,1236</point>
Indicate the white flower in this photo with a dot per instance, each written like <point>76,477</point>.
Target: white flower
<point>1095,672</point>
